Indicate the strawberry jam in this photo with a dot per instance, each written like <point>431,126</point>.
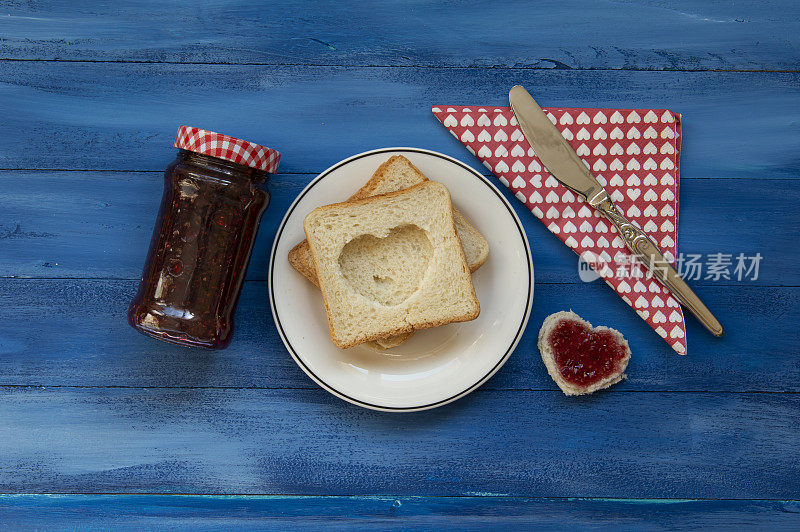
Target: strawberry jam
<point>583,355</point>
<point>210,210</point>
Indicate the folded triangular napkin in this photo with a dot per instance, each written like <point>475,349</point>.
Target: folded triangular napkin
<point>632,152</point>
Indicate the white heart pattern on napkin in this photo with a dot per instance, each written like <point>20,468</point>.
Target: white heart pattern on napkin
<point>633,152</point>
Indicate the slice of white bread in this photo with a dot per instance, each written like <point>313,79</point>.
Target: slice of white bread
<point>395,174</point>
<point>390,264</point>
<point>548,356</point>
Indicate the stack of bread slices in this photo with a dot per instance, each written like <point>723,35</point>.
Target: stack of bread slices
<point>394,258</point>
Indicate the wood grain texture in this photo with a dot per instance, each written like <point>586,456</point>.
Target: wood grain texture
<point>659,445</point>
<point>98,224</point>
<point>93,93</point>
<point>73,333</point>
<point>112,116</point>
<point>554,34</point>
<point>202,512</point>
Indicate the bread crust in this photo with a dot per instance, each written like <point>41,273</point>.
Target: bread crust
<point>549,360</point>
<point>297,262</point>
<point>399,329</point>
<point>379,175</point>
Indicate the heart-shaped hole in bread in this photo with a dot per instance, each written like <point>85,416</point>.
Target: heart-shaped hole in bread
<point>387,270</point>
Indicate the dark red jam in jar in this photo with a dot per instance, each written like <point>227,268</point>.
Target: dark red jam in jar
<point>212,203</point>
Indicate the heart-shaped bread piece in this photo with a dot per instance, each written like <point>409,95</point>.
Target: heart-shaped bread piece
<point>579,358</point>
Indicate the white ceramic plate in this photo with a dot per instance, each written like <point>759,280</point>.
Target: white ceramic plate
<point>436,366</point>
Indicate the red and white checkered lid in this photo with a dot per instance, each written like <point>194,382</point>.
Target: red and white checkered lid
<point>228,148</point>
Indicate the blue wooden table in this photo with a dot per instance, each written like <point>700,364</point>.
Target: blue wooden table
<point>102,427</point>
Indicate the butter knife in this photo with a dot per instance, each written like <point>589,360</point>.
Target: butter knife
<point>565,165</point>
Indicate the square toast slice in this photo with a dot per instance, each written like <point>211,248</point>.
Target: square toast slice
<point>395,174</point>
<point>390,264</point>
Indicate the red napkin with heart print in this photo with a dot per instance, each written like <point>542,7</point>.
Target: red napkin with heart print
<point>632,152</point>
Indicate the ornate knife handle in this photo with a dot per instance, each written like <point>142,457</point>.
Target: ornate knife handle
<point>647,252</point>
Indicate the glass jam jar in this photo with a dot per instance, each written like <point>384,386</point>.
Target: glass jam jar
<point>203,238</point>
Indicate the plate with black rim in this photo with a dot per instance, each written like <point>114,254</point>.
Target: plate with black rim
<point>436,366</point>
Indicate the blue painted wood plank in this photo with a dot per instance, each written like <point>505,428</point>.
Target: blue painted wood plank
<point>206,512</point>
<point>98,224</point>
<point>553,34</point>
<point>198,431</point>
<point>124,116</point>
<point>307,442</point>
<point>74,333</point>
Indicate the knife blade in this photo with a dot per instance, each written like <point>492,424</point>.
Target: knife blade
<point>568,168</point>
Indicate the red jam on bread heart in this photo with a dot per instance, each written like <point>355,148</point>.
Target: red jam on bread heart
<point>579,358</point>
